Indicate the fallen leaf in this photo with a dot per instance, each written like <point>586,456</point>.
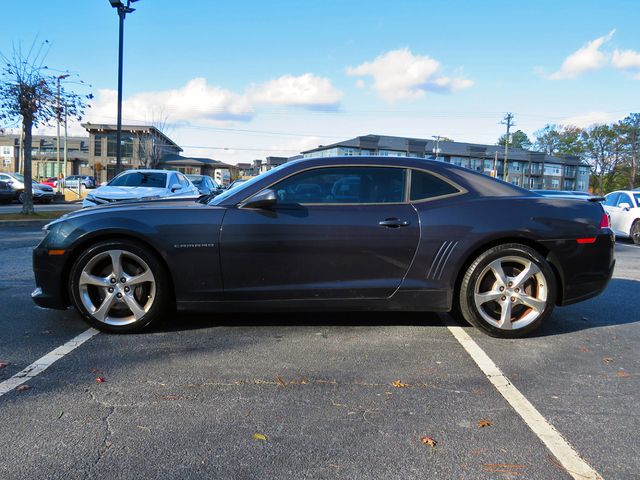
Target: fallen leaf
<point>484,423</point>
<point>95,370</point>
<point>622,374</point>
<point>428,441</point>
<point>281,382</point>
<point>584,349</point>
<point>100,380</point>
<point>4,364</point>
<point>22,388</point>
<point>61,414</point>
<point>508,468</point>
<point>607,360</point>
<point>259,436</point>
<point>399,384</point>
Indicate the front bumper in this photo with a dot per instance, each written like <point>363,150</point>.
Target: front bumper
<point>50,289</point>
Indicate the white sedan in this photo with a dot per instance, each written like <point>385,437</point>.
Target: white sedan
<point>623,207</point>
<point>142,184</point>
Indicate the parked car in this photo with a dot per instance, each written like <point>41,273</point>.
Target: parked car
<point>72,181</point>
<point>142,184</point>
<point>573,194</point>
<point>205,184</point>
<point>623,206</point>
<point>51,181</point>
<point>41,193</point>
<point>7,193</point>
<point>404,234</point>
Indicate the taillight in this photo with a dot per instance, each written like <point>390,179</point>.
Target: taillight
<point>604,222</point>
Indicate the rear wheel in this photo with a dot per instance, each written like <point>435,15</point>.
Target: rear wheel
<point>119,286</point>
<point>508,291</point>
<point>635,232</point>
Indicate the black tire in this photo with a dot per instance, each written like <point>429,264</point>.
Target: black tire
<point>634,234</point>
<point>161,298</point>
<point>540,287</point>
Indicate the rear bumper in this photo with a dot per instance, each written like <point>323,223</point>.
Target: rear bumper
<point>584,270</point>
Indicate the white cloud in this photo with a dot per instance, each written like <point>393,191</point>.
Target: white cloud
<point>200,102</point>
<point>587,119</point>
<point>585,59</point>
<point>306,90</point>
<point>627,60</point>
<point>401,75</point>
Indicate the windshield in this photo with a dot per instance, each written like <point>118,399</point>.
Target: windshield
<point>244,185</point>
<point>19,177</point>
<point>140,179</point>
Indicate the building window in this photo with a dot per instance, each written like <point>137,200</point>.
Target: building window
<point>555,170</point>
<point>6,150</point>
<point>555,183</point>
<point>126,149</point>
<point>97,146</point>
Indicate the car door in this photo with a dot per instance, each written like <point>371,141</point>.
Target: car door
<point>610,205</point>
<point>335,232</point>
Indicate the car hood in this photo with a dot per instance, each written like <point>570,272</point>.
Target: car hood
<point>129,205</point>
<point>119,193</point>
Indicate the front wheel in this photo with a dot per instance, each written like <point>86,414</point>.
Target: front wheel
<point>635,232</point>
<point>508,291</point>
<point>119,286</point>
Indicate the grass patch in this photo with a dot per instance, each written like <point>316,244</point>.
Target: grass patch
<point>36,216</point>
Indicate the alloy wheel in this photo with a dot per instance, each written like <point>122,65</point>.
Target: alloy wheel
<point>117,287</point>
<point>511,292</point>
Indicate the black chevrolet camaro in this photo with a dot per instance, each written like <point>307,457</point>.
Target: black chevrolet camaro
<point>348,233</point>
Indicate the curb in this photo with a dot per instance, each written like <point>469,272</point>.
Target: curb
<point>25,223</point>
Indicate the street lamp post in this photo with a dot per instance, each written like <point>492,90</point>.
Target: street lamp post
<point>122,13</point>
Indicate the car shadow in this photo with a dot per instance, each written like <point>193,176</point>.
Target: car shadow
<point>192,321</point>
<point>617,305</point>
<point>612,307</point>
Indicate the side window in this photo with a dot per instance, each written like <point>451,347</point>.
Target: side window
<point>184,183</point>
<point>611,200</point>
<point>333,185</point>
<point>424,185</point>
<point>173,179</point>
<point>624,198</point>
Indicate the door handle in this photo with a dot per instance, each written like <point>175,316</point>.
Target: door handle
<point>394,223</point>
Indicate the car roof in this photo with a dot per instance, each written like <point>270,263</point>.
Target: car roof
<point>632,192</point>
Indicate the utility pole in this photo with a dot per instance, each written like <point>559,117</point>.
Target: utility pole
<point>65,143</point>
<point>58,119</point>
<point>494,172</point>
<point>508,121</point>
<point>437,150</point>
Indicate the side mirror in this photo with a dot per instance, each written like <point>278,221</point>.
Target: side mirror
<point>625,206</point>
<point>264,199</point>
<point>175,187</point>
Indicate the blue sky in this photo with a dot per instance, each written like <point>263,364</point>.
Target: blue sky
<point>240,80</point>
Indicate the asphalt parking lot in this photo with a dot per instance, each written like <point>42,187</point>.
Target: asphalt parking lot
<point>314,395</point>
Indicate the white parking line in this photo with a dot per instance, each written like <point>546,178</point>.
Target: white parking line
<point>45,362</point>
<point>557,445</point>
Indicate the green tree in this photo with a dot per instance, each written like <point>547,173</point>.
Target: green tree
<point>628,130</point>
<point>602,147</point>
<point>28,96</point>
<point>519,139</point>
<point>560,140</point>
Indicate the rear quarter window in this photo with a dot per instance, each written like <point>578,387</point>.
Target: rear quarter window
<point>425,185</point>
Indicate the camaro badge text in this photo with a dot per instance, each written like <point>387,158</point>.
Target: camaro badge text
<point>194,245</point>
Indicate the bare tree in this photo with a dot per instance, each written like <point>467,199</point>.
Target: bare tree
<point>603,150</point>
<point>152,149</point>
<point>28,97</point>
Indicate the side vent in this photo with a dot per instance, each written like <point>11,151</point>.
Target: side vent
<point>440,260</point>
